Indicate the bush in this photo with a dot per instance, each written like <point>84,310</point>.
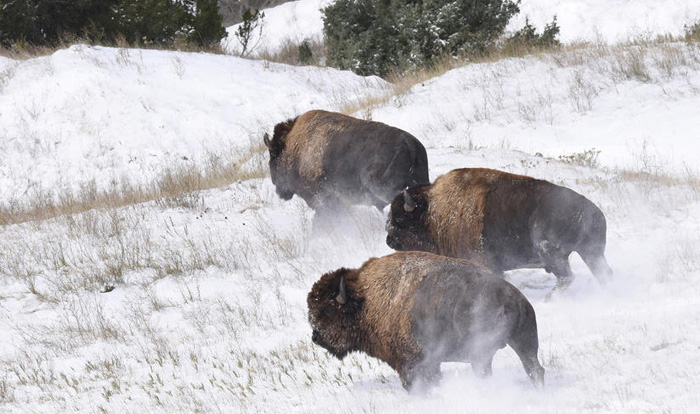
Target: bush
<point>374,37</point>
<point>304,53</point>
<point>527,38</point>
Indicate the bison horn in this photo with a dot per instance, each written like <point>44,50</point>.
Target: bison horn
<point>408,203</point>
<point>342,297</point>
<point>266,140</point>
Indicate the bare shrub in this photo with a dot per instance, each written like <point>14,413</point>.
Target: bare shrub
<point>582,92</point>
<point>6,75</point>
<point>587,158</point>
<point>630,63</point>
<point>295,53</point>
<point>86,319</point>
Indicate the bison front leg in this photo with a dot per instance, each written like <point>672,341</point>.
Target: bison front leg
<point>482,367</point>
<point>421,376</point>
<point>556,260</point>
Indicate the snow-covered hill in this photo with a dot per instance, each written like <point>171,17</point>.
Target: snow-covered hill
<point>197,303</point>
<point>90,113</point>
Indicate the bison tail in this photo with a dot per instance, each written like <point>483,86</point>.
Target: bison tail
<point>419,168</point>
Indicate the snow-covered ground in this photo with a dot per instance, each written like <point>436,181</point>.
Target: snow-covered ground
<point>208,307</point>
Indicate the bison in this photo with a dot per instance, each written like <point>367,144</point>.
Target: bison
<point>502,221</point>
<point>414,310</point>
<point>329,159</point>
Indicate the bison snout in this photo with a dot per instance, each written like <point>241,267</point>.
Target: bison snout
<point>315,337</point>
<point>284,195</point>
<point>392,242</point>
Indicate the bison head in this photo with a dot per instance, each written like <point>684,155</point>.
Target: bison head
<point>406,225</point>
<point>333,307</point>
<point>276,146</point>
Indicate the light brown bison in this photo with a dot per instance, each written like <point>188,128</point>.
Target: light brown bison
<point>330,159</point>
<point>414,310</point>
<point>502,221</point>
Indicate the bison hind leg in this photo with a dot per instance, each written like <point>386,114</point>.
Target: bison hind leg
<point>598,265</point>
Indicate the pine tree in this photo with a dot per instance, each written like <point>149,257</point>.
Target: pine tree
<point>208,27</point>
<point>252,21</point>
<point>46,22</point>
<point>141,22</point>
<point>152,21</point>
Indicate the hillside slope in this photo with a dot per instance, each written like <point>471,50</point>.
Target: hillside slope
<point>196,302</point>
<point>92,113</point>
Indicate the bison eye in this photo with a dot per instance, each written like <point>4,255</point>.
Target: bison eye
<point>329,311</point>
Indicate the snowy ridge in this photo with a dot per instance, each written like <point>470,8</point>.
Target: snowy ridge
<point>610,21</point>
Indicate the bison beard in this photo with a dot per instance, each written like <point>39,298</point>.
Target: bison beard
<point>414,310</point>
<point>502,221</point>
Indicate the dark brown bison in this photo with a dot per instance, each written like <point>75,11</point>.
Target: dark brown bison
<point>414,310</point>
<point>327,158</point>
<point>502,221</point>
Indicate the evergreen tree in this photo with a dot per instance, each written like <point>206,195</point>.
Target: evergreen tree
<point>151,21</point>
<point>380,36</point>
<point>207,26</point>
<point>45,22</point>
<point>304,54</point>
<point>160,22</point>
<point>17,22</point>
<point>252,21</point>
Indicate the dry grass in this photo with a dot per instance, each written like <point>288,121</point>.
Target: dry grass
<point>24,51</point>
<point>176,187</point>
<point>660,179</point>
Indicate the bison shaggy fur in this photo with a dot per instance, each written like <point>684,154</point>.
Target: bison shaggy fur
<point>330,159</point>
<point>502,221</point>
<point>414,310</point>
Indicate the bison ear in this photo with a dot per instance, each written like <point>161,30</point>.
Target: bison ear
<point>408,203</point>
<point>342,297</point>
<point>266,140</point>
